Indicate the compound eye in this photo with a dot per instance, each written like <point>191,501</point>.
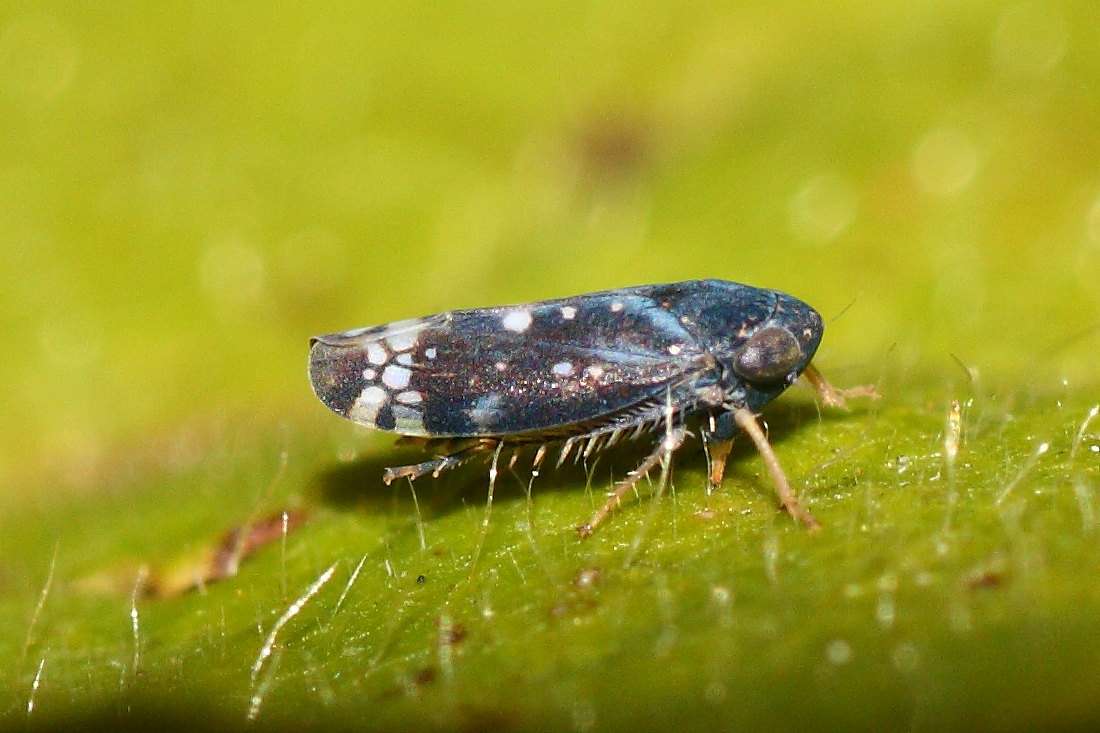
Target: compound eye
<point>769,356</point>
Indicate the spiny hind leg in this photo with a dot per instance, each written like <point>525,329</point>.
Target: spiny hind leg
<point>439,464</point>
<point>668,445</point>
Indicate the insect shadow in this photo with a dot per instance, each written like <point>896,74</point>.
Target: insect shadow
<point>358,484</point>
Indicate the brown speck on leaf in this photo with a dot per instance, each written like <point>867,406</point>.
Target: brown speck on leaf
<point>986,579</point>
<point>425,675</point>
<point>453,633</point>
<point>411,686</point>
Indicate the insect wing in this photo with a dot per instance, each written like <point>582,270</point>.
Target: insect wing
<point>507,370</point>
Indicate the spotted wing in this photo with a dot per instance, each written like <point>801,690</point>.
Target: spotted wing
<point>508,370</point>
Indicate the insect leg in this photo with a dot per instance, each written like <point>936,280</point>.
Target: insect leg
<point>717,453</point>
<point>672,440</point>
<point>437,465</point>
<point>832,396</point>
<point>747,422</point>
<point>718,442</point>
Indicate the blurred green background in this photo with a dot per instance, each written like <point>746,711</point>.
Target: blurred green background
<point>188,191</point>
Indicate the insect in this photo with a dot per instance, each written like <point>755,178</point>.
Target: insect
<point>655,360</point>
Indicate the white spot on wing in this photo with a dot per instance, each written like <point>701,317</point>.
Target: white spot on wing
<point>500,366</point>
<point>562,369</point>
<point>373,395</point>
<point>406,359</point>
<point>675,349</point>
<point>365,408</point>
<point>396,377</point>
<point>412,397</point>
<point>616,306</point>
<point>401,341</point>
<point>430,352</point>
<point>370,375</point>
<point>376,353</point>
<point>518,321</point>
<point>595,371</point>
<point>568,312</point>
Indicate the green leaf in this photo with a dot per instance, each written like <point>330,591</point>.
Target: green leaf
<point>949,594</point>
